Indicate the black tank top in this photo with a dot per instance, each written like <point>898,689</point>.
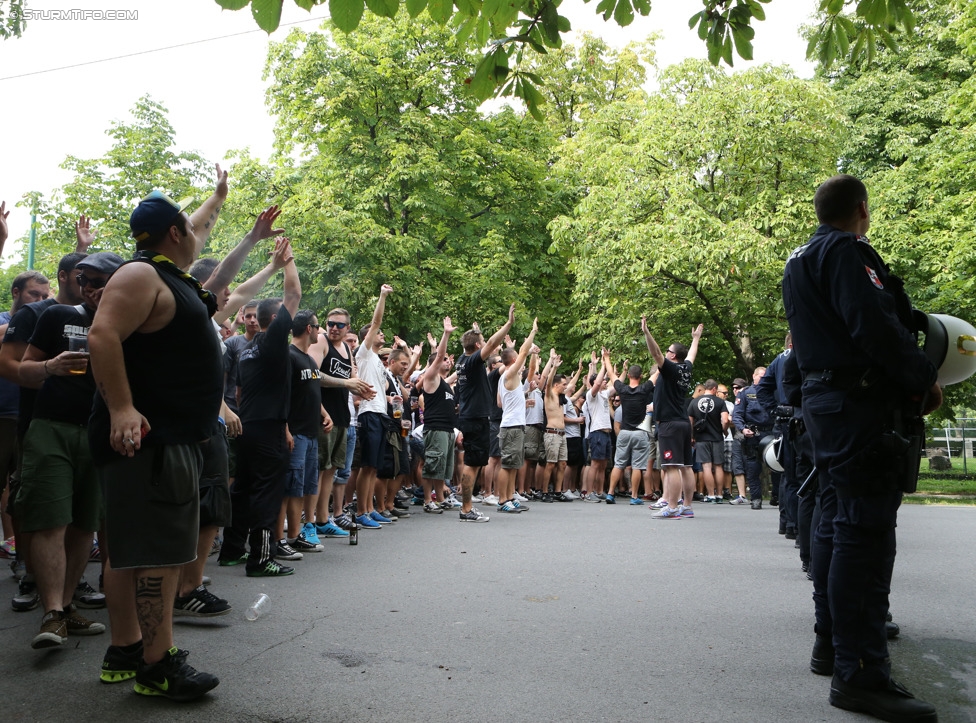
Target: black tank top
<point>175,374</point>
<point>439,414</point>
<point>336,401</point>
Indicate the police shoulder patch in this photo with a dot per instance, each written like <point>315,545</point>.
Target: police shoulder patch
<point>873,277</point>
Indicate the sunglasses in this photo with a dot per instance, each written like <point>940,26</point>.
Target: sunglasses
<point>84,281</point>
<point>735,387</point>
<point>336,324</point>
<point>314,326</point>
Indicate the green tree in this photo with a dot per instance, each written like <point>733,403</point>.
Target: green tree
<point>506,29</point>
<point>402,181</point>
<point>696,196</point>
<point>142,157</point>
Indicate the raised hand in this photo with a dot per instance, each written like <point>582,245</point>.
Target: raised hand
<point>511,314</point>
<point>264,224</point>
<point>221,190</point>
<point>83,234</point>
<point>386,290</point>
<point>448,326</point>
<point>697,331</point>
<point>509,342</point>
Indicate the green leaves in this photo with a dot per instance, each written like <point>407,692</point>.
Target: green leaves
<point>267,14</point>
<point>727,23</point>
<point>855,37</point>
<point>346,14</point>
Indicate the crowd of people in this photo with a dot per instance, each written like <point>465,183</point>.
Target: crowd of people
<point>134,393</point>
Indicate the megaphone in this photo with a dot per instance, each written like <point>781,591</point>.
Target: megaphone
<point>646,425</point>
<point>770,448</point>
<point>950,344</point>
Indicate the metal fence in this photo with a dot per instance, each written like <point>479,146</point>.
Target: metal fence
<point>958,439</point>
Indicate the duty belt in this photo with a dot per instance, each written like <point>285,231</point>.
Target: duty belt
<point>844,378</point>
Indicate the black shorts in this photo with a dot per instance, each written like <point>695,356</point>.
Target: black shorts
<point>159,488</point>
<point>494,448</point>
<point>476,441</point>
<point>574,447</point>
<point>674,443</point>
<point>214,492</point>
<point>371,439</point>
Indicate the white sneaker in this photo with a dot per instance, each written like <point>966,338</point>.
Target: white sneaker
<point>571,495</point>
<point>520,498</point>
<point>451,503</point>
<point>477,498</point>
<point>490,500</point>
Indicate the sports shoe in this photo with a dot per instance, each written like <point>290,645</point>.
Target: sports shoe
<point>118,665</point>
<point>398,514</point>
<point>546,497</point>
<point>8,548</point>
<point>473,516</point>
<point>27,596</point>
<point>269,569</point>
<point>377,517</point>
<point>757,505</point>
<point>667,513</point>
<point>310,533</point>
<point>519,506</point>
<point>79,625</point>
<point>509,506</point>
<point>173,678</point>
<point>593,497</point>
<point>96,554</point>
<point>636,501</point>
<point>490,500</point>
<point>301,544</point>
<point>739,500</point>
<point>685,511</point>
<point>200,603</point>
<point>477,498</point>
<point>659,505</point>
<point>433,508</point>
<point>698,497</point>
<point>399,504</point>
<point>366,522</point>
<point>215,546</point>
<point>285,551</point>
<point>451,503</point>
<point>87,598</point>
<point>54,631</point>
<point>18,569</point>
<point>609,500</point>
<point>565,497</point>
<point>332,529</point>
<point>417,501</point>
<point>343,522</point>
<point>231,561</point>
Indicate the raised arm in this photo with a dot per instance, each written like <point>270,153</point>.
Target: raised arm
<point>599,380</point>
<point>554,361</point>
<point>432,377</point>
<point>205,218</point>
<point>84,236</point>
<point>293,285</point>
<point>695,338</point>
<point>652,344</point>
<point>249,289</point>
<point>611,371</point>
<point>491,344</point>
<point>510,377</point>
<point>228,269</point>
<point>377,322</point>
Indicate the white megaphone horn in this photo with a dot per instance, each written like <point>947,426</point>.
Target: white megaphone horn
<point>950,344</point>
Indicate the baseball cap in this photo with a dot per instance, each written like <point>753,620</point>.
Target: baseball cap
<point>154,213</point>
<point>740,382</point>
<point>385,351</point>
<point>104,262</point>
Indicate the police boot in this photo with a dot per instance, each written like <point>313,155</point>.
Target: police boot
<point>890,702</point>
<point>757,504</point>
<point>822,658</point>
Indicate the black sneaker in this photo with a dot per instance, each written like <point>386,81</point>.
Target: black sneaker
<point>287,552</point>
<point>173,678</point>
<point>269,569</point>
<point>87,598</point>
<point>229,561</point>
<point>300,544</point>
<point>200,603</point>
<point>118,666</point>
<point>399,504</point>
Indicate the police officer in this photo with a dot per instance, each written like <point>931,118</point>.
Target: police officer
<point>866,385</point>
<point>753,423</point>
<point>772,395</point>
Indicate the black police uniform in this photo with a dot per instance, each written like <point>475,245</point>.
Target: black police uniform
<point>771,394</point>
<point>855,344</point>
<point>748,412</point>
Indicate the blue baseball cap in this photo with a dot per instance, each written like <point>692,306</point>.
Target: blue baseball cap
<point>155,212</point>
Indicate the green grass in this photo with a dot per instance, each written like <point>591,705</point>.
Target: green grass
<point>951,487</point>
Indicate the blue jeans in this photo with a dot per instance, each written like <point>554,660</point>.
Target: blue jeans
<point>303,467</point>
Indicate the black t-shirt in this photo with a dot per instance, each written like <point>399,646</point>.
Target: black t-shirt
<point>21,328</point>
<point>474,394</point>
<point>63,398</point>
<point>234,346</point>
<point>334,399</point>
<point>494,411</point>
<point>671,391</point>
<point>264,372</point>
<point>305,415</point>
<point>633,403</point>
<point>439,409</point>
<point>708,409</point>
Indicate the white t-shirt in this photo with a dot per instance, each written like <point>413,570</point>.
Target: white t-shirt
<point>536,414</point>
<point>599,410</point>
<point>372,371</point>
<point>572,428</point>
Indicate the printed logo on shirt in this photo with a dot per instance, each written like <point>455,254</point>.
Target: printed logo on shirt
<point>339,368</point>
<point>72,330</point>
<point>705,404</point>
<point>873,277</point>
<point>308,374</point>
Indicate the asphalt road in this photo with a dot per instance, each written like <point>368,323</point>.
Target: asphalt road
<point>569,612</point>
